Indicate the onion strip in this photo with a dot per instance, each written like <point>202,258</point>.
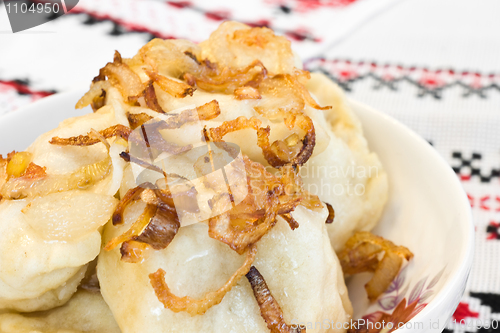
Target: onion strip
<point>194,306</point>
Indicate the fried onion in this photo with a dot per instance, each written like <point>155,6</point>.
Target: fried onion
<point>246,92</point>
<point>137,119</point>
<point>270,310</point>
<point>362,254</point>
<point>121,76</point>
<point>95,96</point>
<point>281,153</point>
<point>193,306</point>
<point>131,195</point>
<point>136,228</point>
<point>294,188</point>
<point>133,252</point>
<point>91,139</point>
<point>247,222</point>
<point>82,178</point>
<point>331,214</point>
<point>162,229</point>
<point>150,98</point>
<point>217,133</point>
<point>212,78</point>
<point>174,88</point>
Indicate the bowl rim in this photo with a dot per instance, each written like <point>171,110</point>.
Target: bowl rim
<point>460,276</point>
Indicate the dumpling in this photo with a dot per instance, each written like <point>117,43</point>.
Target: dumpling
<point>51,214</point>
<point>299,267</point>
<point>346,175</point>
<point>85,312</point>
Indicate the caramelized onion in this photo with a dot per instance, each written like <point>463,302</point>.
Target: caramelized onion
<point>246,93</point>
<point>135,229</point>
<point>133,252</point>
<point>217,133</point>
<point>82,178</point>
<point>95,96</point>
<point>90,139</point>
<point>150,98</point>
<point>174,88</point>
<point>193,306</point>
<point>286,94</point>
<point>121,76</point>
<point>247,222</point>
<point>206,111</point>
<point>270,310</point>
<point>362,254</point>
<point>290,220</point>
<point>137,119</point>
<point>155,228</point>
<point>275,153</point>
<point>131,159</point>
<point>150,136</point>
<point>331,214</point>
<point>294,188</point>
<point>209,77</point>
<point>167,58</point>
<point>162,229</point>
<point>130,196</point>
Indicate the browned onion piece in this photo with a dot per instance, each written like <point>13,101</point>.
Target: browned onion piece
<point>294,188</point>
<point>158,234</point>
<point>130,196</point>
<point>150,98</point>
<point>247,222</point>
<point>133,252</point>
<point>131,159</point>
<point>290,220</point>
<point>308,142</point>
<point>331,214</point>
<point>174,88</point>
<point>95,96</point>
<point>137,119</point>
<point>158,231</point>
<point>210,77</point>
<point>149,95</point>
<point>193,306</point>
<point>306,95</point>
<point>281,98</point>
<point>206,111</point>
<point>286,94</point>
<point>150,137</point>
<point>247,93</point>
<point>168,59</point>
<point>162,228</point>
<point>82,178</point>
<point>270,310</point>
<point>34,172</point>
<point>217,133</point>
<point>151,129</point>
<point>90,139</point>
<point>135,229</point>
<point>362,254</point>
<point>121,76</point>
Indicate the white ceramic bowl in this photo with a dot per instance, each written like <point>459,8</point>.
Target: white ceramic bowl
<point>427,211</point>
